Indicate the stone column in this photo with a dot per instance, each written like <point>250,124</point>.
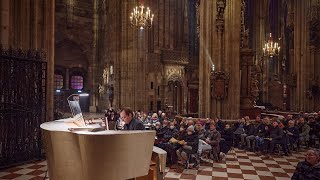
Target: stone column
<point>301,35</point>
<point>49,29</point>
<point>231,107</point>
<point>92,72</point>
<point>4,23</point>
<point>207,11</point>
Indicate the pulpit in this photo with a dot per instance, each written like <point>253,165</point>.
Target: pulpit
<point>249,85</point>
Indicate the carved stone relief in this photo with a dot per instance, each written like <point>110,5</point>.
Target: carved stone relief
<point>219,85</point>
<point>173,73</point>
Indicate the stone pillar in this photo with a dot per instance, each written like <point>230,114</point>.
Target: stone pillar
<point>49,30</point>
<point>301,35</point>
<point>219,46</point>
<point>207,12</point>
<point>231,107</point>
<point>92,72</point>
<point>4,23</point>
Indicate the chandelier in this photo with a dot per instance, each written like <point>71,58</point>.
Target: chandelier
<point>271,48</point>
<point>141,17</point>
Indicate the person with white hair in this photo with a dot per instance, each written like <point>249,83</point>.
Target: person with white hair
<point>309,168</point>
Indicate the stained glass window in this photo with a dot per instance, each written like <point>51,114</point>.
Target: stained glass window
<point>58,81</point>
<point>77,82</point>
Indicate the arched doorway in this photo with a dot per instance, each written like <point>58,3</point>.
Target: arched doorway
<point>175,96</point>
<point>71,76</point>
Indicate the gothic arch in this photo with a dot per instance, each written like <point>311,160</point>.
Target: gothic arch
<point>70,54</point>
<point>174,78</point>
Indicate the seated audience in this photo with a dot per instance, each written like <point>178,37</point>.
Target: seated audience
<point>226,140</point>
<point>252,133</point>
<point>314,130</point>
<point>239,130</point>
<point>190,122</point>
<point>219,124</point>
<point>292,133</point>
<point>276,137</point>
<point>154,118</point>
<point>304,129</point>
<point>207,124</point>
<point>200,130</point>
<point>189,145</point>
<point>262,133</point>
<point>172,147</point>
<point>309,168</point>
<point>212,140</point>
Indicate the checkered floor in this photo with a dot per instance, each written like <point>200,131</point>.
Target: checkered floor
<point>239,165</point>
<point>25,172</point>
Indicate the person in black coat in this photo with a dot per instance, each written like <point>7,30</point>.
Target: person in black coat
<point>314,130</point>
<point>276,137</point>
<point>207,124</point>
<point>292,133</point>
<point>219,124</point>
<point>226,139</point>
<point>126,115</point>
<point>309,169</point>
<point>189,145</point>
<point>262,133</point>
<point>172,147</point>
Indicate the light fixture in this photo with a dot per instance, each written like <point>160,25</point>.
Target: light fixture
<point>58,90</point>
<point>79,91</point>
<point>271,48</point>
<point>141,17</point>
<point>212,67</point>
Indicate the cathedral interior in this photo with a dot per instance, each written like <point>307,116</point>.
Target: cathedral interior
<point>199,58</point>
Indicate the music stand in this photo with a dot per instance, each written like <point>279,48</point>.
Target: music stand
<point>76,109</point>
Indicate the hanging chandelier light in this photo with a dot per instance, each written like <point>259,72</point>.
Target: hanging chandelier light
<point>141,17</point>
<point>271,48</point>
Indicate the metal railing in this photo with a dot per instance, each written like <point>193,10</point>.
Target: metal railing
<point>22,105</point>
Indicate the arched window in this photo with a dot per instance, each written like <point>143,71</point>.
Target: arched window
<point>77,82</point>
<point>58,81</point>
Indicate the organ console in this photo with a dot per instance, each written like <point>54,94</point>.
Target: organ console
<point>106,154</point>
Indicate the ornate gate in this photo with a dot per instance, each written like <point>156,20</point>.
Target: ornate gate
<point>22,105</point>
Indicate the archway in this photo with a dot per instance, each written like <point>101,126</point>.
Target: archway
<point>174,94</point>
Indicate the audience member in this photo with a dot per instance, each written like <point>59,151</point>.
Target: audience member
<point>189,145</point>
<point>292,133</point>
<point>207,124</point>
<point>276,137</point>
<point>304,130</point>
<point>239,130</point>
<point>219,124</point>
<point>309,169</point>
<point>226,140</point>
<point>314,130</point>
